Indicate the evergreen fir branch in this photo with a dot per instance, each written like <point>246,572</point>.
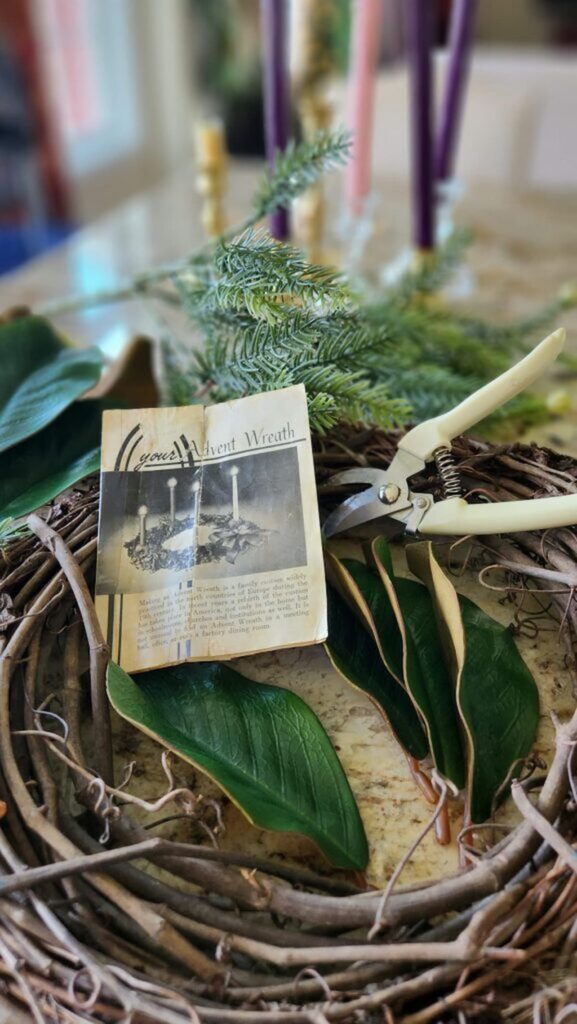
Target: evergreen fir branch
<point>169,377</point>
<point>430,390</point>
<point>229,335</point>
<point>331,337</point>
<point>192,291</point>
<point>444,344</point>
<point>323,412</point>
<point>346,339</point>
<point>298,167</point>
<point>348,395</point>
<point>357,398</point>
<point>234,296</point>
<point>256,261</point>
<point>176,375</point>
<point>516,337</point>
<point>261,281</point>
<point>523,411</point>
<point>414,334</point>
<point>246,376</point>
<point>299,338</point>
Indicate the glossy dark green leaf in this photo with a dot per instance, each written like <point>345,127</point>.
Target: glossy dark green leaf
<point>26,344</point>
<point>354,653</point>
<point>46,392</point>
<point>425,671</point>
<point>499,703</point>
<point>50,486</point>
<point>378,614</point>
<point>262,745</point>
<point>38,469</point>
<point>497,696</point>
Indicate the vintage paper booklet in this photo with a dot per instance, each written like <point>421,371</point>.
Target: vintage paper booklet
<point>209,542</point>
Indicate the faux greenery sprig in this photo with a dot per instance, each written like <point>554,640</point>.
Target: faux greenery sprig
<point>270,319</point>
<point>298,167</point>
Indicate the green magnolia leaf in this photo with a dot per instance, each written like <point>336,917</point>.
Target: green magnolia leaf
<point>46,392</point>
<point>262,745</point>
<point>26,344</point>
<point>425,672</point>
<point>355,655</point>
<point>497,697</point>
<point>38,469</point>
<point>366,589</point>
<point>496,679</point>
<point>52,485</point>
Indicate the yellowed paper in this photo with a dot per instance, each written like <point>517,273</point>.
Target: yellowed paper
<point>209,539</point>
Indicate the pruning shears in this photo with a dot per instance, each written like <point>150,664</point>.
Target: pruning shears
<point>388,494</point>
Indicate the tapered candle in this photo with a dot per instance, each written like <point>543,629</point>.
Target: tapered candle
<point>171,484</point>
<point>394,32</point>
<point>142,513</point>
<point>276,94</point>
<point>365,40</point>
<point>420,40</point>
<point>459,53</point>
<point>234,477</point>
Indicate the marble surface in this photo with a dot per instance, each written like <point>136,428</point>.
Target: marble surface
<point>526,248</point>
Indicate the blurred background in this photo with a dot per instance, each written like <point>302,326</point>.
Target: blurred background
<point>98,98</point>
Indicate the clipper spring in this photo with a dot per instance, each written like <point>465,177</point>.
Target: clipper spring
<point>448,472</point>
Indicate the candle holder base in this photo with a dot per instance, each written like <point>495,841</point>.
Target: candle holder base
<point>462,283</point>
<point>401,265</point>
<point>449,194</point>
<point>354,231</point>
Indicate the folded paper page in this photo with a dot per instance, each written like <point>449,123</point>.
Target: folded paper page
<point>209,540</point>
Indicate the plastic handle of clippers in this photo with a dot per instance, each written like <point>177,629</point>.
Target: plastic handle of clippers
<point>455,517</point>
<point>435,433</point>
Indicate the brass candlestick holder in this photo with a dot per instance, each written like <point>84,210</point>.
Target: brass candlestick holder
<point>212,163</point>
<point>312,65</point>
<point>316,116</point>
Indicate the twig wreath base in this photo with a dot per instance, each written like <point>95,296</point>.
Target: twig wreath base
<point>87,934</point>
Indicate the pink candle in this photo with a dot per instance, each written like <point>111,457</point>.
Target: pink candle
<point>366,36</point>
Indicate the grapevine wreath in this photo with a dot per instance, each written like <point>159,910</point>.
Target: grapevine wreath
<point>88,933</point>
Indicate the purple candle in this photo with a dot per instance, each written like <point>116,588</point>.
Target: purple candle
<point>420,40</point>
<point>460,35</point>
<point>276,94</point>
